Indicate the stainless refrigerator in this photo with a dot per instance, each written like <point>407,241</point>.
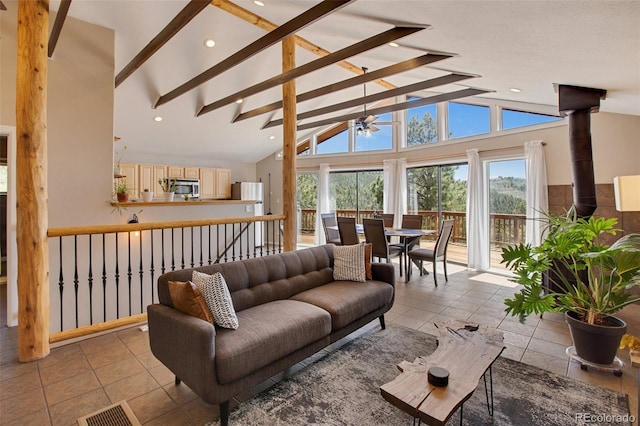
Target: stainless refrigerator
<point>251,191</point>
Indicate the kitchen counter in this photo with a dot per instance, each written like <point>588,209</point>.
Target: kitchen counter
<point>180,203</point>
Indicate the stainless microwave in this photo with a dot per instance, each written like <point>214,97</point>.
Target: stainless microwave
<point>187,186</point>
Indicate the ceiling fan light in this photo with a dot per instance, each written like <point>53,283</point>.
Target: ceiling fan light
<point>367,132</point>
<point>359,131</point>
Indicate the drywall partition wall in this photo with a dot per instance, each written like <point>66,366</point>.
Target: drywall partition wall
<point>80,123</point>
<point>273,189</point>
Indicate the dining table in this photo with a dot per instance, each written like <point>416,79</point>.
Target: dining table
<point>407,236</point>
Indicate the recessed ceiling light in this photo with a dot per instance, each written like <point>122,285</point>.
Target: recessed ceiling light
<point>258,3</point>
<point>239,101</point>
<point>272,137</point>
<point>209,42</point>
<point>394,44</point>
<point>157,118</point>
<point>515,90</point>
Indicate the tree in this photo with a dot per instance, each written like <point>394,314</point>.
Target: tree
<point>307,190</point>
<point>422,132</point>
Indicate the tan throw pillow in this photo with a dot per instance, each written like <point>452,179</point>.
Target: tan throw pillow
<point>368,250</point>
<point>186,298</point>
<point>216,293</point>
<point>348,263</point>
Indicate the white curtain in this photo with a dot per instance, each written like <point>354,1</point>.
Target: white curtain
<point>323,205</point>
<point>536,195</point>
<point>477,212</point>
<point>395,188</point>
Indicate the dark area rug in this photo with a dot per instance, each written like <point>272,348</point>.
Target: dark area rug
<point>343,388</point>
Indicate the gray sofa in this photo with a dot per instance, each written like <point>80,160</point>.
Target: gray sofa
<point>288,307</point>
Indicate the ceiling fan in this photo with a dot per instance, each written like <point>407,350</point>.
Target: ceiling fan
<point>366,124</point>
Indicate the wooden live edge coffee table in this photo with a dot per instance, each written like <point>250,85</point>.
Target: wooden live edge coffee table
<point>467,351</point>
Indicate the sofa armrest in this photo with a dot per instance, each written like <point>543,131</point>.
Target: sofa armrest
<point>383,272</point>
<point>185,345</point>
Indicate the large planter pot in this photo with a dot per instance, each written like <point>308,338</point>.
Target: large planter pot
<point>147,196</point>
<point>122,197</point>
<point>596,343</point>
<point>168,196</point>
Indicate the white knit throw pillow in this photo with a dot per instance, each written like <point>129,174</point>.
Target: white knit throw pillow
<point>348,263</point>
<point>216,293</point>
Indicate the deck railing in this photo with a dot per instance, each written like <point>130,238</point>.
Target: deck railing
<point>105,276</point>
<point>505,229</point>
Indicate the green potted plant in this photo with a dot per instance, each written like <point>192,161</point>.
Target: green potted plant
<point>168,187</point>
<point>121,189</point>
<point>574,272</point>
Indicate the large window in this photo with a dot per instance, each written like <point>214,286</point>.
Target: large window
<point>512,119</point>
<point>377,140</point>
<point>465,120</point>
<point>422,125</point>
<point>335,144</point>
<point>356,194</point>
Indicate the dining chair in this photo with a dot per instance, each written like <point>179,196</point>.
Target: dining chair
<point>329,223</point>
<point>347,230</point>
<point>380,248</point>
<point>388,219</point>
<point>409,221</point>
<point>438,253</point>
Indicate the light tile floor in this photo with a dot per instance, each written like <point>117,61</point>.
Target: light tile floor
<point>81,378</point>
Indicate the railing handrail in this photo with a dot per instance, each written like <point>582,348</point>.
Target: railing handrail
<point>144,226</point>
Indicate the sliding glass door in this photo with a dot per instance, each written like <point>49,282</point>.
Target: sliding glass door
<point>356,193</point>
<point>307,199</point>
<point>440,192</point>
<point>507,206</point>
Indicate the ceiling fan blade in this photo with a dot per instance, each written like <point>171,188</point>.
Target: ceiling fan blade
<point>373,128</point>
<point>370,119</point>
<point>386,123</point>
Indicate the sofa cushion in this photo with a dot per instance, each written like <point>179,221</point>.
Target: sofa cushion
<point>186,298</point>
<point>348,301</point>
<point>349,263</point>
<point>267,333</point>
<point>216,294</point>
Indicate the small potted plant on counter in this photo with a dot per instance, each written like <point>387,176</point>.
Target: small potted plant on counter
<point>147,196</point>
<point>121,189</point>
<point>586,279</point>
<point>169,188</point>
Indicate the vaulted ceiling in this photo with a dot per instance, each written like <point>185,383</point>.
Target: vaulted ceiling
<point>527,45</point>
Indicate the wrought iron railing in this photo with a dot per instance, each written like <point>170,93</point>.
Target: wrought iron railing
<point>104,276</point>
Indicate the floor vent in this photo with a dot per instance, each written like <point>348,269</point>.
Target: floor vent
<point>119,414</point>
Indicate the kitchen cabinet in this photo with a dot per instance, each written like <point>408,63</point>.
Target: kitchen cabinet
<point>215,183</point>
<point>192,172</point>
<point>176,172</point>
<point>148,178</point>
<point>223,183</point>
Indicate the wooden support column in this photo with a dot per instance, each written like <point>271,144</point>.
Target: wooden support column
<point>31,180</point>
<point>289,146</point>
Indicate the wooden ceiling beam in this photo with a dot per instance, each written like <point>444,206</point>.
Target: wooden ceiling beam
<point>61,15</point>
<point>344,84</point>
<point>299,22</point>
<point>397,107</point>
<point>190,11</point>
<point>411,88</point>
<point>266,25</point>
<point>332,58</point>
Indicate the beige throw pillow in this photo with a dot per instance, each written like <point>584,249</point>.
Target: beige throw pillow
<point>348,263</point>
